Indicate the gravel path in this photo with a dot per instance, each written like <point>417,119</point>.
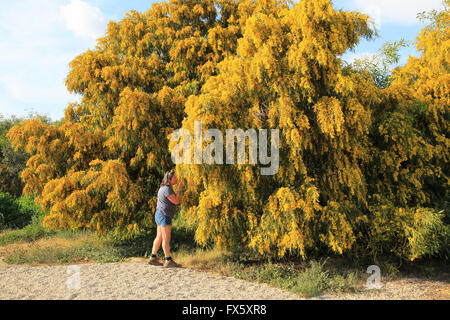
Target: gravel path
<point>140,281</point>
<point>125,281</point>
<point>402,289</point>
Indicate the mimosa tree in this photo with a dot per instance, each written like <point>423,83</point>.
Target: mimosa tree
<point>357,171</point>
<point>286,74</point>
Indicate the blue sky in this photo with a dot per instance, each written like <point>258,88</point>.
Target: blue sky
<point>38,39</point>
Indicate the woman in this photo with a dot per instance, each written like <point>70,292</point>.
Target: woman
<point>165,211</point>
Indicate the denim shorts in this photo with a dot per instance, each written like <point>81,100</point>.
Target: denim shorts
<point>162,220</point>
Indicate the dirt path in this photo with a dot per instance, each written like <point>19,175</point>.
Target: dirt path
<point>403,289</point>
<point>128,281</point>
<point>138,280</point>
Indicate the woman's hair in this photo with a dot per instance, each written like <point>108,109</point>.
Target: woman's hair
<point>167,177</point>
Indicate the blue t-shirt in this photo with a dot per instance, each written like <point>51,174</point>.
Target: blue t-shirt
<point>164,205</point>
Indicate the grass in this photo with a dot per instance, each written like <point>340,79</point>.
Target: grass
<point>308,279</point>
<point>211,260</point>
<point>61,248</point>
<point>31,232</point>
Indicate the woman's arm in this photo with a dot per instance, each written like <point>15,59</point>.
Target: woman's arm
<point>176,198</point>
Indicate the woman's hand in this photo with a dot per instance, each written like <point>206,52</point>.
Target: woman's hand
<point>176,198</point>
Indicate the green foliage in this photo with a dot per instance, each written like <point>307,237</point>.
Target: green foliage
<point>406,234</point>
<point>311,281</point>
<point>32,232</point>
<point>379,66</point>
<point>29,207</point>
<point>18,213</point>
<point>428,236</point>
<point>12,217</point>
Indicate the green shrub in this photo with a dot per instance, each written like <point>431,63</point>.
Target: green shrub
<point>340,283</point>
<point>17,213</point>
<point>12,216</point>
<point>428,236</point>
<point>30,216</point>
<point>28,207</point>
<point>309,282</point>
<point>313,280</point>
<point>32,232</point>
<point>405,234</point>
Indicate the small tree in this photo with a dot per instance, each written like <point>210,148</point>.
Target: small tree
<point>379,66</point>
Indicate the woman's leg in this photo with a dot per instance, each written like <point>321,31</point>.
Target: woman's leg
<point>158,240</point>
<point>166,234</point>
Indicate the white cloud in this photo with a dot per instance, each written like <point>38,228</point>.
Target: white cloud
<point>28,17</point>
<point>402,12</point>
<point>27,90</point>
<point>83,19</point>
<point>36,50</point>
